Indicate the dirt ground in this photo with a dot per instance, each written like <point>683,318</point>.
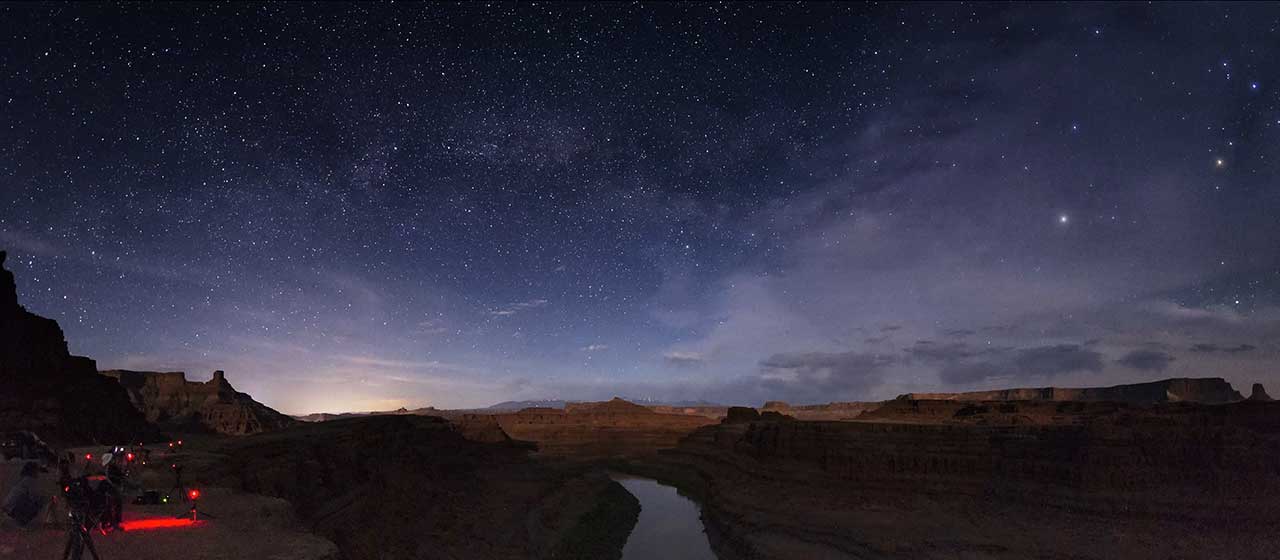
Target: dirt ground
<point>243,526</point>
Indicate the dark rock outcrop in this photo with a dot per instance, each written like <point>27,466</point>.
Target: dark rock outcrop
<point>775,416</point>
<point>46,390</point>
<point>168,399</point>
<point>1259,394</point>
<point>400,487</point>
<point>1207,390</point>
<point>740,414</point>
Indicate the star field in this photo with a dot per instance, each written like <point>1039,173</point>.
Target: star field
<point>354,207</point>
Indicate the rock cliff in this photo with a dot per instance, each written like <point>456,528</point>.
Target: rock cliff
<point>168,399</point>
<point>1209,390</point>
<point>43,388</point>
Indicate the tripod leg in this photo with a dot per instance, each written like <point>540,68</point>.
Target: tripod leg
<point>93,551</point>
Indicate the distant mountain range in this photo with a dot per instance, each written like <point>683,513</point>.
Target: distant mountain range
<point>557,403</point>
<point>517,405</point>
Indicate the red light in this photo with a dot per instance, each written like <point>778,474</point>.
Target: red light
<point>171,444</point>
<point>88,456</point>
<point>194,493</point>
<point>129,457</point>
<point>162,523</point>
<point>66,489</point>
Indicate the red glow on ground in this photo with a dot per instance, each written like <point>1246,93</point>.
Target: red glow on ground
<point>159,523</point>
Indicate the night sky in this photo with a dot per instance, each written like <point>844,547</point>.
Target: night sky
<point>366,207</point>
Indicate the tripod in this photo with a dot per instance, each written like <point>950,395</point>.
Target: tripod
<point>194,496</point>
<point>178,488</point>
<point>79,538</point>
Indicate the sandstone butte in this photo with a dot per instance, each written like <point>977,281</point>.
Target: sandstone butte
<point>169,400</point>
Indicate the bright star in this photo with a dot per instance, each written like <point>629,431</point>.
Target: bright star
<point>1219,162</point>
<point>1063,219</point>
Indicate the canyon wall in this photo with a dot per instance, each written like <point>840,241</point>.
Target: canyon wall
<point>168,399</point>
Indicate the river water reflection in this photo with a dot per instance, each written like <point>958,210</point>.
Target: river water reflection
<point>669,527</point>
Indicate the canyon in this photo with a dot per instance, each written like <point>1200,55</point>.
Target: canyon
<point>1183,467</point>
<point>947,479</point>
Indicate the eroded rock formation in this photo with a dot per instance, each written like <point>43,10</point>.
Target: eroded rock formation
<point>45,389</point>
<point>168,399</point>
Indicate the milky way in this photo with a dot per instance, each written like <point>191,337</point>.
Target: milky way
<point>365,207</point>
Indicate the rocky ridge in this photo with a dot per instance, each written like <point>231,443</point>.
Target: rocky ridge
<point>591,430</point>
<point>169,400</point>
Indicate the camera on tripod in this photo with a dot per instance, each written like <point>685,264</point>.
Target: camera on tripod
<point>83,501</point>
<point>87,508</point>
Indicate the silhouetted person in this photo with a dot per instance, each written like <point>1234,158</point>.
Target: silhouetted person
<point>24,501</point>
<point>112,490</point>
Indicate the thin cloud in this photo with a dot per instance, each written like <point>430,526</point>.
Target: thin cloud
<point>1205,348</point>
<point>684,358</point>
<point>518,307</point>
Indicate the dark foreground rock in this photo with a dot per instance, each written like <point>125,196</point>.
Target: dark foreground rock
<point>46,390</point>
<point>1178,480</point>
<point>392,487</point>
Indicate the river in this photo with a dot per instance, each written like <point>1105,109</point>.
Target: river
<point>669,526</point>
